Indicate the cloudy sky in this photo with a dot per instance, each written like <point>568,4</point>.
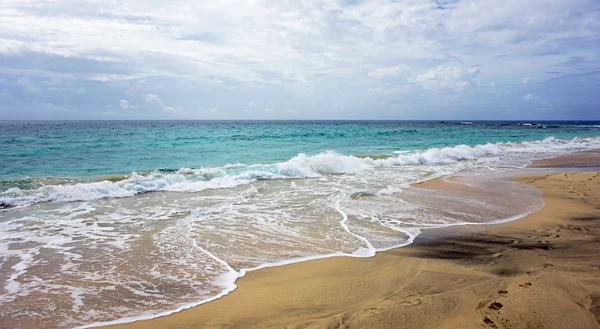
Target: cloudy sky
<point>300,59</point>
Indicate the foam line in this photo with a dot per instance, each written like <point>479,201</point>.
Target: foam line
<point>232,276</point>
<point>191,180</point>
<point>160,314</point>
<point>300,166</point>
<point>412,234</point>
<point>372,249</point>
<point>231,286</point>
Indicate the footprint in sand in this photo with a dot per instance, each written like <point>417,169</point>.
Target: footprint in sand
<point>489,322</point>
<point>502,292</point>
<point>482,304</point>
<point>550,236</point>
<point>525,285</point>
<point>411,301</point>
<point>375,310</point>
<point>495,306</point>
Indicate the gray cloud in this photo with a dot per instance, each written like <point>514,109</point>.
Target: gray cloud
<point>309,55</point>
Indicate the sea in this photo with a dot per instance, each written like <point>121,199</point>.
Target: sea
<point>114,221</point>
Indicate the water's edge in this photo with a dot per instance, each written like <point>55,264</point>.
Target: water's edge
<point>413,234</point>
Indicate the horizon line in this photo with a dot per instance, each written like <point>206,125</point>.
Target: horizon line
<point>432,120</point>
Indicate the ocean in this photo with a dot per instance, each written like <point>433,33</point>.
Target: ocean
<point>112,221</point>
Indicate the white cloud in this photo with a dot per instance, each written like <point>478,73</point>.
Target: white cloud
<point>389,90</point>
<point>54,81</point>
<point>59,83</point>
<point>291,53</point>
<point>6,96</point>
<point>154,101</point>
<point>388,71</point>
<point>124,104</point>
<point>526,80</point>
<point>235,40</point>
<point>28,84</point>
<point>50,107</point>
<point>443,77</point>
<point>530,97</point>
<point>109,77</point>
<point>474,72</point>
<point>213,109</point>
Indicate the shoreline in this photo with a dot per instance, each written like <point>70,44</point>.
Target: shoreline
<point>190,317</point>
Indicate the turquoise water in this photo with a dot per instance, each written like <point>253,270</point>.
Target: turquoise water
<point>110,222</point>
<point>95,148</point>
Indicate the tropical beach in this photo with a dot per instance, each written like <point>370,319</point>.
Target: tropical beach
<point>541,271</point>
<point>299,164</point>
<point>86,245</point>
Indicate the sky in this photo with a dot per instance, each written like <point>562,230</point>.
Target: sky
<point>300,59</point>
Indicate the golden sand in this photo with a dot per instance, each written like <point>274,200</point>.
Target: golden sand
<point>542,271</point>
<point>582,159</point>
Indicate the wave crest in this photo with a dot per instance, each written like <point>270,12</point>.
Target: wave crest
<point>300,166</point>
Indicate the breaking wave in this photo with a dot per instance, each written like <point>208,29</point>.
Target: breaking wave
<point>300,166</point>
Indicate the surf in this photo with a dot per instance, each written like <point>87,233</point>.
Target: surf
<point>189,180</point>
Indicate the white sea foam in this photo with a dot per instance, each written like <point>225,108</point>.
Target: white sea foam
<point>319,165</point>
<point>201,246</point>
<point>240,218</point>
<point>391,190</point>
<point>227,281</point>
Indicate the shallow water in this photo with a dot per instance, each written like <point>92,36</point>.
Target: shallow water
<point>78,249</point>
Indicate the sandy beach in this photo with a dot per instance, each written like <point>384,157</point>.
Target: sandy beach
<point>299,164</point>
<point>542,271</point>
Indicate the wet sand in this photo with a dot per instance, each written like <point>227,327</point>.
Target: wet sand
<point>579,160</point>
<point>542,271</point>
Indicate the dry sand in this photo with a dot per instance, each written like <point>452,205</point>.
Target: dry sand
<point>542,271</point>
